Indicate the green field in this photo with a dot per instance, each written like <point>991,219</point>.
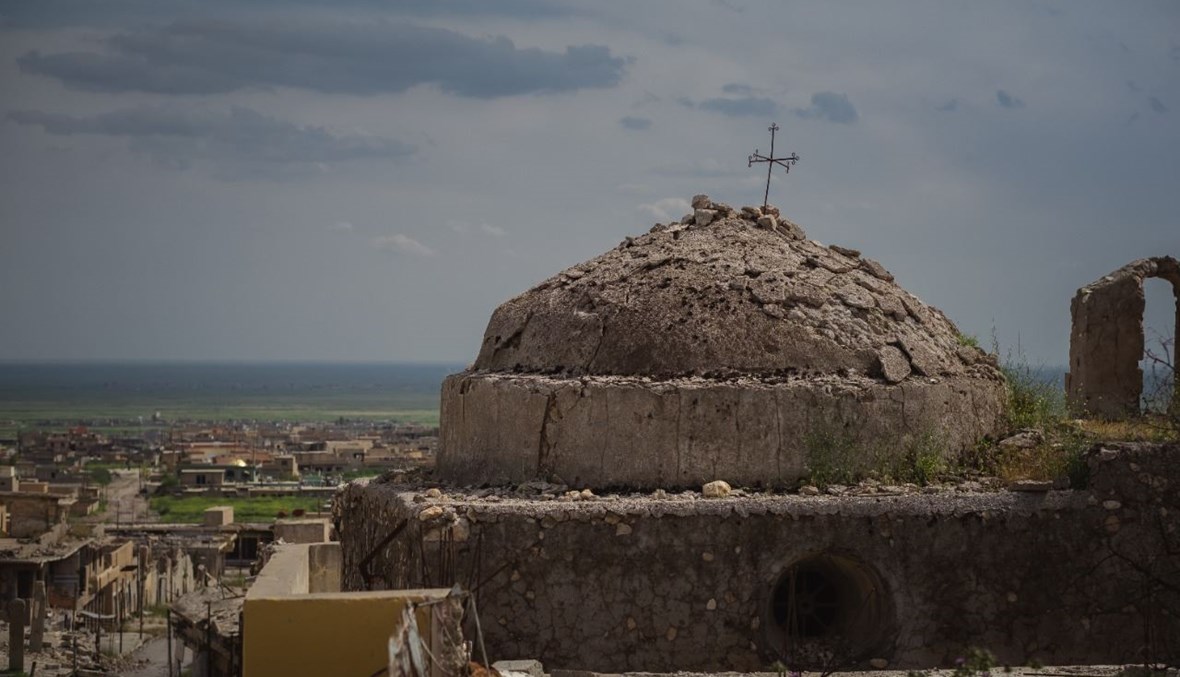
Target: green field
<point>191,509</point>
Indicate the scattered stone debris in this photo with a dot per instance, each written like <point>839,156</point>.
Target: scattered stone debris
<point>1024,439</point>
<point>716,489</point>
<point>522,668</point>
<point>1031,485</point>
<point>431,513</point>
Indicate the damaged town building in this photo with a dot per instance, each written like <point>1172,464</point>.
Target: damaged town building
<point>618,473</point>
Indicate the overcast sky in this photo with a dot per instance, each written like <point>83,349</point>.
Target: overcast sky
<point>368,179</point>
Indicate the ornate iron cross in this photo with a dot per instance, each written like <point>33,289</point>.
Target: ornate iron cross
<point>771,161</point>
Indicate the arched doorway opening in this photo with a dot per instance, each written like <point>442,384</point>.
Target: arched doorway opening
<point>828,606</point>
<point>1161,320</point>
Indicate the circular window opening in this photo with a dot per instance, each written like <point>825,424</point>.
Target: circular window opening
<point>828,607</point>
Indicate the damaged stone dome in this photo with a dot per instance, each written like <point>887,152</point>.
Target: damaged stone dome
<point>719,347</point>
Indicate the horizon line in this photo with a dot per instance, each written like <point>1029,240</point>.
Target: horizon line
<point>216,361</point>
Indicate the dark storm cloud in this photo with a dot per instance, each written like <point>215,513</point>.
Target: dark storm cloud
<point>634,123</point>
<point>204,57</point>
<point>1157,105</point>
<point>177,136</point>
<point>949,107</point>
<point>830,106</point>
<point>738,89</point>
<point>56,13</point>
<point>523,9</point>
<point>1007,100</point>
<point>746,106</point>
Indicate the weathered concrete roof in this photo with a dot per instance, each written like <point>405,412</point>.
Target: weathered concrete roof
<point>725,292</point>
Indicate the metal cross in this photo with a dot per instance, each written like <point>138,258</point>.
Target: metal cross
<point>771,161</point>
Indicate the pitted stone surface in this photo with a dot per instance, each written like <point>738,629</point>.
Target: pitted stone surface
<point>894,365</point>
<point>689,299</point>
<point>721,346</point>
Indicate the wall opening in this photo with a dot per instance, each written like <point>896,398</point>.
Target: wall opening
<point>828,607</point>
<point>1158,363</point>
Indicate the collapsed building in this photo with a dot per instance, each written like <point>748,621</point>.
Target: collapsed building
<point>1106,342</point>
<point>585,463</point>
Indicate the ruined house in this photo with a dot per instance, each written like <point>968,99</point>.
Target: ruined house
<point>729,347</point>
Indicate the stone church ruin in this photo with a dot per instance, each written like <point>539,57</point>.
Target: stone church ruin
<point>618,478</point>
<point>1106,342</point>
<point>721,346</point>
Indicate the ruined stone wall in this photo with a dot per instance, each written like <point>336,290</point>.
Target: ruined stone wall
<point>31,515</point>
<point>679,582</point>
<point>1106,339</point>
<point>621,431</point>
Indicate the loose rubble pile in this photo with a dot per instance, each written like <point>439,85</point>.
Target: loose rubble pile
<point>435,500</point>
<point>57,655</point>
<point>719,346</point>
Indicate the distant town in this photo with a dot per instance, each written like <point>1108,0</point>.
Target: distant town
<point>113,529</point>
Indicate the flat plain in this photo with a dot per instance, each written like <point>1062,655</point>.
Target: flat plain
<point>129,397</point>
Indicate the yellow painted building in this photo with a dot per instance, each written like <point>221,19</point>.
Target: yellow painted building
<point>292,626</point>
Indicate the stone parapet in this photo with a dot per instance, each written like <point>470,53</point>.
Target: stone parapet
<point>618,431</point>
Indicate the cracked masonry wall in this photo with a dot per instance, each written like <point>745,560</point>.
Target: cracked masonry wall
<point>682,583</point>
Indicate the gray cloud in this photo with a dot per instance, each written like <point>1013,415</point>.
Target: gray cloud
<point>634,123</point>
<point>747,106</point>
<point>666,209</point>
<point>400,243</point>
<point>830,106</point>
<point>1007,100</point>
<point>523,9</point>
<point>53,13</point>
<point>730,5</point>
<point>738,88</point>
<point>1157,105</point>
<point>948,107</point>
<point>205,57</point>
<point>177,137</point>
<point>710,168</point>
<point>254,252</point>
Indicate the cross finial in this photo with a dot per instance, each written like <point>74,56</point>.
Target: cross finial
<point>771,161</point>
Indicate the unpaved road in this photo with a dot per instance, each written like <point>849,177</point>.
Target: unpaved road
<point>124,504</point>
